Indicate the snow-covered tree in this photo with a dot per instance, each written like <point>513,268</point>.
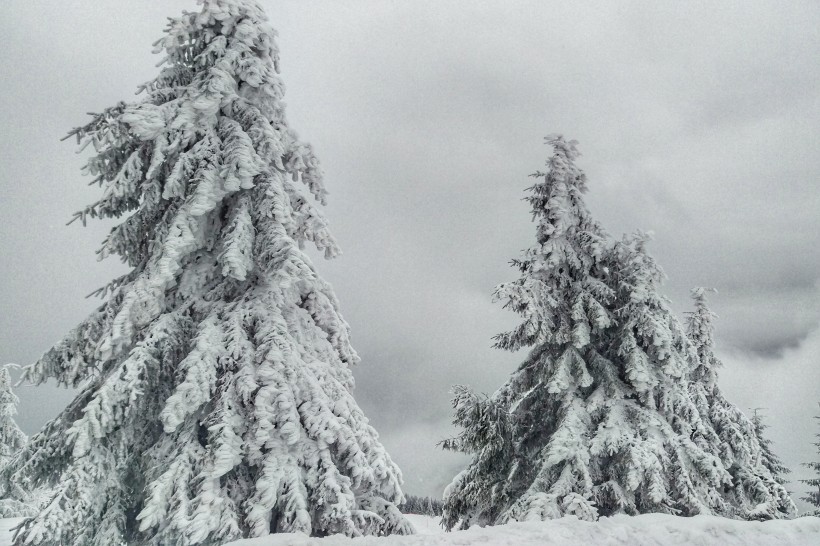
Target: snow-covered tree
<point>427,506</point>
<point>757,490</point>
<point>563,301</point>
<point>598,419</point>
<point>769,458</point>
<point>813,496</point>
<point>12,440</point>
<point>215,380</point>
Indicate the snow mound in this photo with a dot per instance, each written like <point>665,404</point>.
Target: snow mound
<point>643,530</point>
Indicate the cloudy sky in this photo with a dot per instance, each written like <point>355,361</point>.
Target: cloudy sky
<point>697,120</point>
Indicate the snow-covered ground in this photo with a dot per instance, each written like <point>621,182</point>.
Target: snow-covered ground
<point>648,529</point>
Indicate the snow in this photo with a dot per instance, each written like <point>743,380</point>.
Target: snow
<point>425,525</point>
<point>647,529</point>
<point>6,526</point>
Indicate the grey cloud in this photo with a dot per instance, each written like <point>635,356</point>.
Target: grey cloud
<point>787,387</point>
<point>696,121</point>
<point>425,466</point>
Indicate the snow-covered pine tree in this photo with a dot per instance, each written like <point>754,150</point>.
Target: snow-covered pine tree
<point>757,490</point>
<point>215,381</point>
<point>563,300</point>
<point>651,360</point>
<point>598,419</point>
<point>12,440</point>
<point>769,458</point>
<point>813,495</point>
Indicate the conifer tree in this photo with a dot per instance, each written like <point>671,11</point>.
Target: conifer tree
<point>12,440</point>
<point>813,496</point>
<point>769,458</point>
<point>757,490</point>
<point>215,380</point>
<point>598,419</point>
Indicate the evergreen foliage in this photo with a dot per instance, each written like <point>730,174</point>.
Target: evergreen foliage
<point>12,440</point>
<point>770,459</point>
<point>757,490</point>
<point>813,496</point>
<point>599,418</point>
<point>215,380</point>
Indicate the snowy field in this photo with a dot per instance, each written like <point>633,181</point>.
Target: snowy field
<point>649,529</point>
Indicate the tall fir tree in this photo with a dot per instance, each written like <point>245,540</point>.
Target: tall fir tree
<point>813,495</point>
<point>563,301</point>
<point>757,490</point>
<point>215,381</point>
<point>12,441</point>
<point>598,419</point>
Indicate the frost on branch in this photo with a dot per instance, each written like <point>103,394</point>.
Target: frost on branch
<point>603,415</point>
<point>215,379</point>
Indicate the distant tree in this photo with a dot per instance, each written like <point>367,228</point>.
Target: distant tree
<point>813,496</point>
<point>770,460</point>
<point>12,440</point>
<point>427,506</point>
<point>215,381</point>
<point>757,489</point>
<point>599,418</point>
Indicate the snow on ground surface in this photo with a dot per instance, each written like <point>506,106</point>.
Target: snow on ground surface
<point>647,529</point>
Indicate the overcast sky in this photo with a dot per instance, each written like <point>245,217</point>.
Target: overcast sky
<point>697,120</point>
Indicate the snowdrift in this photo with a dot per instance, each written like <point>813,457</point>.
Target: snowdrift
<point>648,529</point>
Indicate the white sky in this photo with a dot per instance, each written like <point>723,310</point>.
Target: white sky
<point>697,120</point>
